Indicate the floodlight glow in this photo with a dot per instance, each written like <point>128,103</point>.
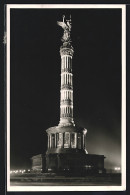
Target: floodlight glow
<point>117,168</point>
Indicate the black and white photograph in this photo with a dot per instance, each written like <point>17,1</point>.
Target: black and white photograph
<point>66,122</point>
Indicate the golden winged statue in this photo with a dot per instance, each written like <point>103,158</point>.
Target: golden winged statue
<point>67,28</point>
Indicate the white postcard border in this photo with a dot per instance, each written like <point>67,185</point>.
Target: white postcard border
<point>123,124</point>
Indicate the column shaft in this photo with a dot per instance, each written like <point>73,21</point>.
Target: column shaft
<point>50,140</point>
<point>66,116</point>
<point>55,141</point>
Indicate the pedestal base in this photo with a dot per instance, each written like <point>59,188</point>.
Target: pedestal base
<point>74,164</point>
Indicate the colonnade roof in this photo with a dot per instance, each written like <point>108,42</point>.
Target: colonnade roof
<point>62,129</point>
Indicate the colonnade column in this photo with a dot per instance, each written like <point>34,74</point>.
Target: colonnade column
<point>50,140</point>
<point>84,140</point>
<point>55,141</point>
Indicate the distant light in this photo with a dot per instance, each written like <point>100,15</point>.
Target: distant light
<point>28,169</point>
<point>20,171</point>
<point>117,168</point>
<point>87,165</point>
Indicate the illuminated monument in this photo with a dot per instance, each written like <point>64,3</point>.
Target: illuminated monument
<point>66,151</point>
<point>66,142</point>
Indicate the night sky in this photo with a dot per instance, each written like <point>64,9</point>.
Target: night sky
<point>35,80</point>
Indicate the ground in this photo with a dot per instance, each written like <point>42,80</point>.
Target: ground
<point>53,180</point>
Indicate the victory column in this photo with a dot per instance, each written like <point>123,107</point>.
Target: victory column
<point>66,149</point>
<point>65,141</point>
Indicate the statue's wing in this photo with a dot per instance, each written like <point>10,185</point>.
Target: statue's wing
<point>69,25</point>
<point>62,24</point>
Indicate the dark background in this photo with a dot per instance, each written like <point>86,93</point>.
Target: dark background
<point>35,80</point>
